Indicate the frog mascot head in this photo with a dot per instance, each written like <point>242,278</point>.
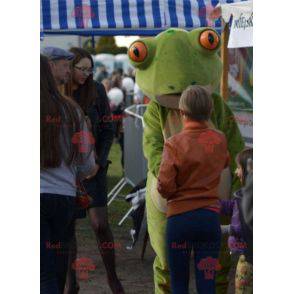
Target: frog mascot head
<point>165,66</point>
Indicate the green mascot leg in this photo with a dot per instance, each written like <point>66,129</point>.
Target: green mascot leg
<point>156,221</point>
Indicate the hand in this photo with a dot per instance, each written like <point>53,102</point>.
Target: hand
<point>225,229</point>
<point>95,170</point>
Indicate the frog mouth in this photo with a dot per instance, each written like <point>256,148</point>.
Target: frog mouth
<point>169,100</point>
<point>172,100</point>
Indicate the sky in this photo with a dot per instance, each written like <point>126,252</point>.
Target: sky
<point>125,40</point>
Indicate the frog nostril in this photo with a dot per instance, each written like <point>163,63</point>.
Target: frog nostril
<point>171,87</point>
<point>193,83</point>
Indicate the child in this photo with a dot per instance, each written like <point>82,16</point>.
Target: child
<point>189,175</point>
<point>240,229</point>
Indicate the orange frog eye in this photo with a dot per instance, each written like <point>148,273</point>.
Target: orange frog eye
<point>209,39</point>
<point>138,51</point>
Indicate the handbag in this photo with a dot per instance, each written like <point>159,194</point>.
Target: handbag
<point>83,200</point>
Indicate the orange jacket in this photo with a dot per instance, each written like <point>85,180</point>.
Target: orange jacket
<point>191,166</point>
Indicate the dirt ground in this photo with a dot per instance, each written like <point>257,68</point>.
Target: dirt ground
<point>135,275</point>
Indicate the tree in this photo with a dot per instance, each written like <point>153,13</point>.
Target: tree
<point>88,46</point>
<point>105,44</point>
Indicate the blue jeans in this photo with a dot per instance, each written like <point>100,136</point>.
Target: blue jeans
<point>198,230</point>
<point>56,224</point>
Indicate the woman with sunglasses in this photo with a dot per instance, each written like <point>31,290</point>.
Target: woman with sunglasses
<point>92,98</point>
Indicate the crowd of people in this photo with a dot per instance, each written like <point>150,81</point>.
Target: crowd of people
<point>77,131</point>
<point>76,137</point>
<point>122,91</point>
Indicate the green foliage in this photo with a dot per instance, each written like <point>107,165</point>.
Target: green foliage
<point>106,44</point>
<point>111,50</point>
<point>106,41</point>
<point>88,46</point>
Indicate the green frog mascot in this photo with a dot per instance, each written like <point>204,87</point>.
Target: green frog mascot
<point>165,66</point>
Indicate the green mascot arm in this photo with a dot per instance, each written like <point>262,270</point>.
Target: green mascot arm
<point>153,140</point>
<point>226,123</point>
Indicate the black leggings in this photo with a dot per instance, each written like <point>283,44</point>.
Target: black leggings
<point>57,213</point>
<point>198,230</point>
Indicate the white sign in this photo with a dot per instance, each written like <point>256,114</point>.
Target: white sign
<point>241,33</point>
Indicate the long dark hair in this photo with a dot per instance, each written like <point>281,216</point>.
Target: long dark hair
<point>245,160</point>
<point>57,114</point>
<point>88,91</point>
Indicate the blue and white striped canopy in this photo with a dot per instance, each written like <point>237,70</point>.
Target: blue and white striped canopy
<point>125,17</point>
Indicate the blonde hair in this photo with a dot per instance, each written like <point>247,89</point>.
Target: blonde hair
<point>196,103</point>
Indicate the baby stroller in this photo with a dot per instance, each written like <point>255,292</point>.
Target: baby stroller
<point>137,199</point>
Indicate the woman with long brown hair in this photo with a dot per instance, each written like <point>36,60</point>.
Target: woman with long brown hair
<point>62,160</point>
<point>92,98</point>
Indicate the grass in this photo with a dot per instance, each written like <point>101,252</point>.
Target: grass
<point>119,206</point>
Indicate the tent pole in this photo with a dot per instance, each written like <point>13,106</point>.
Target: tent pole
<point>93,42</point>
<point>224,90</point>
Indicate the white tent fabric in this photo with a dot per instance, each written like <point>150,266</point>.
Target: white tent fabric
<point>125,17</point>
<point>241,33</point>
